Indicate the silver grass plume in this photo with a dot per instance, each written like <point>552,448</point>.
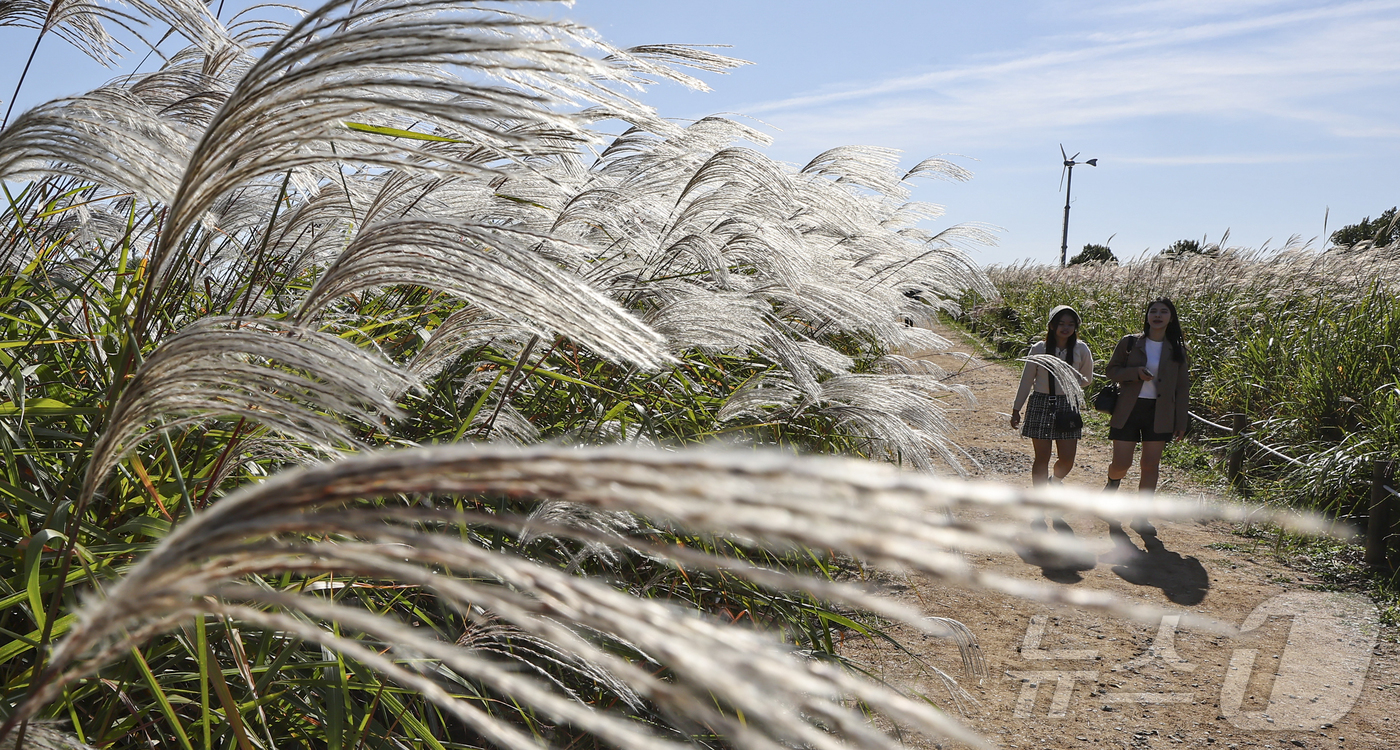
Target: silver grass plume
<point>870,167</point>
<point>900,415</point>
<point>900,364</point>
<point>495,268</point>
<point>491,636</point>
<point>255,454</point>
<point>756,397</point>
<point>649,160</point>
<point>909,213</point>
<point>785,351</point>
<point>916,340</point>
<point>109,135</point>
<point>806,235</point>
<point>665,58</point>
<point>503,423</point>
<point>939,168</point>
<point>385,63</point>
<point>609,524</point>
<point>312,520</point>
<point>45,735</point>
<point>823,358</point>
<point>463,331</point>
<point>711,321</point>
<point>81,22</point>
<point>1066,377</point>
<point>77,22</point>
<point>1235,272</point>
<point>296,381</point>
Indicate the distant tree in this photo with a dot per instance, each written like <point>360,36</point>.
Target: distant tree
<point>1191,247</point>
<point>1093,253</point>
<point>1382,230</point>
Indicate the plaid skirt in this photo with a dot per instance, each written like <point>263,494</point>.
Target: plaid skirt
<point>1039,422</point>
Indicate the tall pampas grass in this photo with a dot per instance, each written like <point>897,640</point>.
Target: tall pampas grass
<point>299,382</point>
<point>400,223</point>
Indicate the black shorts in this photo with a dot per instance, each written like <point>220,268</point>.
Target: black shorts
<point>1138,428</point>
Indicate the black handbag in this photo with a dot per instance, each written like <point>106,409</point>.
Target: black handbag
<point>1106,400</point>
<point>1065,419</point>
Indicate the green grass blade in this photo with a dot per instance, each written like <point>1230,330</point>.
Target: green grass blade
<point>172,718</point>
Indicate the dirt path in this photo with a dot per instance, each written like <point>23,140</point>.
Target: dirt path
<point>1313,673</point>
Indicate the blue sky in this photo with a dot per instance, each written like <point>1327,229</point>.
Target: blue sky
<point>1255,116</point>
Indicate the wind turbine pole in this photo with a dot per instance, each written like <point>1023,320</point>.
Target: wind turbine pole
<point>1064,236</point>
<point>1068,174</point>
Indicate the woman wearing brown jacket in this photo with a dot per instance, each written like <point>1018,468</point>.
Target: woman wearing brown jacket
<point>1152,371</point>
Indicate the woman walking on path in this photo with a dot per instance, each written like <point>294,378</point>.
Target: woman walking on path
<point>1047,397</point>
<point>1152,370</point>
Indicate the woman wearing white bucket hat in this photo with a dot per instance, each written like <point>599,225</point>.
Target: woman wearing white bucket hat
<point>1048,397</point>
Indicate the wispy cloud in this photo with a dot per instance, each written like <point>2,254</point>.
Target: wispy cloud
<point>1333,67</point>
<point>1184,9</point>
<point>1191,160</point>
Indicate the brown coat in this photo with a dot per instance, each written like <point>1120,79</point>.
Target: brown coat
<point>1173,383</point>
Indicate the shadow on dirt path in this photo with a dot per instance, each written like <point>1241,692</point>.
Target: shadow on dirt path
<point>1182,579</point>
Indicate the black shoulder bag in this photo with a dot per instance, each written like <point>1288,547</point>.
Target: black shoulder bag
<point>1106,400</point>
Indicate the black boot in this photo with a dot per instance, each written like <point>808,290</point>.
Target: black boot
<point>1140,524</point>
<point>1143,526</point>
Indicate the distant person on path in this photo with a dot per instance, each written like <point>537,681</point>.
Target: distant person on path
<point>1046,397</point>
<point>1152,371</point>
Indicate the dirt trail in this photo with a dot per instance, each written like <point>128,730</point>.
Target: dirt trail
<point>1060,678</point>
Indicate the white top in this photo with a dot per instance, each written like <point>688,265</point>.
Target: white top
<point>1154,364</point>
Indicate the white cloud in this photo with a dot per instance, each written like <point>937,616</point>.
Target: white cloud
<point>1332,67</point>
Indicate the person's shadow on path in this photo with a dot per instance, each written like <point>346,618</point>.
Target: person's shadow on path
<point>1183,579</point>
<point>1060,567</point>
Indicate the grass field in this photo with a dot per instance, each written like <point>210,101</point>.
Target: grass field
<point>353,365</point>
<point>397,225</point>
<point>1303,343</point>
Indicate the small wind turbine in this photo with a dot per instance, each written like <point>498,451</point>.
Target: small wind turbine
<point>1067,179</point>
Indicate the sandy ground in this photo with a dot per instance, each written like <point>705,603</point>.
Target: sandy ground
<point>1312,670</point>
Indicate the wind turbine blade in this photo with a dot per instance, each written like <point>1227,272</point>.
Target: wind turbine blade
<point>1076,155</point>
<point>1062,152</point>
<point>1062,178</point>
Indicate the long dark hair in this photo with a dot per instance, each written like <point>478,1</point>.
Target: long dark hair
<point>1069,343</point>
<point>1174,334</point>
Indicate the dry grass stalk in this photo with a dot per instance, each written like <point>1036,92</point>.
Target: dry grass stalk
<point>315,520</point>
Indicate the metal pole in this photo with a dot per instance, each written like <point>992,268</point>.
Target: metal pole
<point>1378,522</point>
<point>1064,238</point>
<point>1392,510</point>
<point>1234,466</point>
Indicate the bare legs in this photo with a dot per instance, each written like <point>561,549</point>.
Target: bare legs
<point>1151,464</point>
<point>1122,459</point>
<point>1040,470</point>
<point>1064,449</point>
<point>1150,467</point>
